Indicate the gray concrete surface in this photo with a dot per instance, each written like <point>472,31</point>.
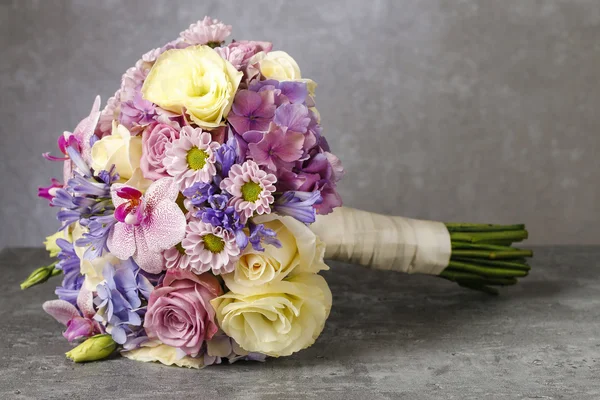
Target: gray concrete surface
<point>389,336</point>
<point>451,110</point>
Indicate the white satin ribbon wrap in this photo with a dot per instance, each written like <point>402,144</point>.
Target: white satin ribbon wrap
<point>384,242</point>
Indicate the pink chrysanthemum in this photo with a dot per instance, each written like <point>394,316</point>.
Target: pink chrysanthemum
<point>252,188</point>
<point>206,31</point>
<point>176,257</point>
<point>191,158</point>
<point>209,247</point>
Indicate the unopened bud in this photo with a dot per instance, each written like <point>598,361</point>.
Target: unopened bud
<point>93,349</point>
<point>40,275</point>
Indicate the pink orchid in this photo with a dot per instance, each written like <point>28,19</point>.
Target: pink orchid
<point>80,139</point>
<point>80,325</point>
<point>147,223</point>
<point>49,192</point>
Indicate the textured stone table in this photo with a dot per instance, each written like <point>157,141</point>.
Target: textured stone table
<point>389,336</point>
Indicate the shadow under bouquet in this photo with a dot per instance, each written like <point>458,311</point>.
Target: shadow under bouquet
<point>197,208</point>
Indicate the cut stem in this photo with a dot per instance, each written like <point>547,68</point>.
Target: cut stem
<point>493,254</point>
<point>461,227</point>
<point>483,237</point>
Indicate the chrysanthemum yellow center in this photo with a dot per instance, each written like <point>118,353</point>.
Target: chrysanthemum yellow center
<point>196,158</point>
<point>251,191</point>
<point>213,243</point>
<point>180,248</point>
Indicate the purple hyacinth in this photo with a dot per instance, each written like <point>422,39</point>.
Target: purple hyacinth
<point>220,213</point>
<point>226,156</point>
<point>299,205</point>
<point>200,192</point>
<point>259,234</point>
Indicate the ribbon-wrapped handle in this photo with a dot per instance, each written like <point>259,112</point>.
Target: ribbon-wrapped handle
<point>384,242</point>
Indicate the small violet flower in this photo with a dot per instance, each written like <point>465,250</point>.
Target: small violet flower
<point>299,205</point>
<point>259,234</point>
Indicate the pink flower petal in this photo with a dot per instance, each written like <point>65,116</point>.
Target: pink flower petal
<point>164,226</point>
<point>61,310</point>
<point>121,241</point>
<point>148,260</point>
<point>85,302</point>
<point>162,189</point>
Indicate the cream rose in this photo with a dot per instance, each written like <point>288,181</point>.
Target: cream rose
<point>280,66</point>
<point>280,318</point>
<point>91,269</point>
<point>120,149</point>
<point>195,79</point>
<point>154,351</point>
<point>301,251</point>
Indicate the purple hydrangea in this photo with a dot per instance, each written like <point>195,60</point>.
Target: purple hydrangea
<point>119,302</point>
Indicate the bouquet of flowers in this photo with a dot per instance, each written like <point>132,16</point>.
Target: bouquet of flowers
<point>188,208</point>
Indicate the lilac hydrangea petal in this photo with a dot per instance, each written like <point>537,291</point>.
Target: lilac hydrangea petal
<point>292,116</point>
<point>295,91</point>
<point>246,102</point>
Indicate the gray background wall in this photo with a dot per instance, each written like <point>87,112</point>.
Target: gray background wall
<point>451,110</point>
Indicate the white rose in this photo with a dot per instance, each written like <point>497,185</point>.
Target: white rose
<point>301,251</point>
<point>280,318</point>
<point>91,269</point>
<point>280,66</point>
<point>120,149</point>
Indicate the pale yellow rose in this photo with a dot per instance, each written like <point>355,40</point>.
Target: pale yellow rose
<point>195,79</point>
<point>301,251</point>
<point>155,351</point>
<point>138,181</point>
<point>280,319</point>
<point>92,270</point>
<point>120,149</point>
<point>280,66</point>
<point>50,242</point>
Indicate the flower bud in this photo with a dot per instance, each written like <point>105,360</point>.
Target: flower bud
<point>94,349</point>
<point>40,275</point>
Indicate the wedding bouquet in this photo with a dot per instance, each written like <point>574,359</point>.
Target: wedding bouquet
<point>188,208</point>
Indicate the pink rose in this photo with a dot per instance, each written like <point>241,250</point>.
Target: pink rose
<point>154,139</point>
<point>250,47</point>
<point>179,311</point>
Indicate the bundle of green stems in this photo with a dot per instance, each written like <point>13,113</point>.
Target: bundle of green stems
<point>483,256</point>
